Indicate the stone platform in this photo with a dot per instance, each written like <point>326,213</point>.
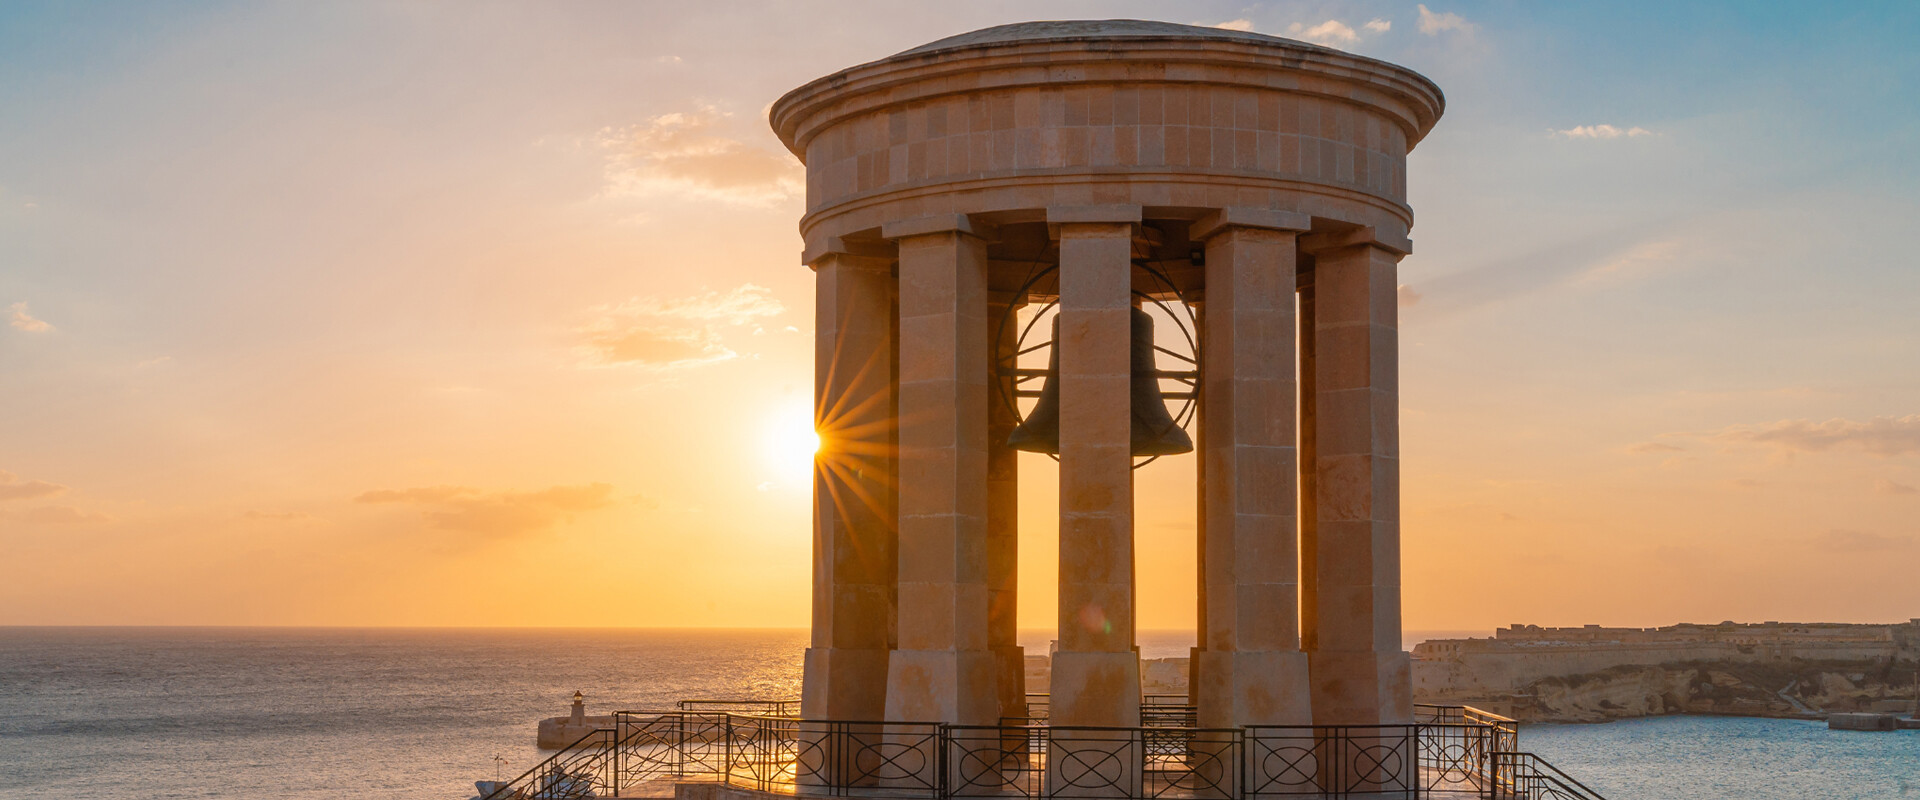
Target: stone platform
<point>720,791</point>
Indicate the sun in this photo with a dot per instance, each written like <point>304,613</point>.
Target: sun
<point>789,443</point>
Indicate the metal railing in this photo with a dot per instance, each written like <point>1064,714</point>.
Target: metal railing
<point>1156,711</point>
<point>580,769</point>
<point>655,745</point>
<point>1525,776</point>
<point>1168,711</point>
<point>1457,743</point>
<point>836,757</point>
<point>771,708</point>
<point>1448,749</point>
<point>1001,761</point>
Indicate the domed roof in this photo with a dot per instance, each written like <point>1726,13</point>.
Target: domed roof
<point>1096,29</point>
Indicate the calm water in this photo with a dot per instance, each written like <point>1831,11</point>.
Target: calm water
<point>278,713</point>
<point>1731,758</point>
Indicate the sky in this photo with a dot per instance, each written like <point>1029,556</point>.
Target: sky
<point>484,314</point>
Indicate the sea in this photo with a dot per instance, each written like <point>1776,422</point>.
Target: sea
<point>145,713</point>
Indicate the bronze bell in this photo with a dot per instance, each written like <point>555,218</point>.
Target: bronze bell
<point>1154,431</point>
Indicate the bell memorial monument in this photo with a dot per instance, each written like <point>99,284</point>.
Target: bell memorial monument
<point>1257,183</point>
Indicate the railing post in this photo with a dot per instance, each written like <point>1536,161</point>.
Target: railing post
<point>940,762</point>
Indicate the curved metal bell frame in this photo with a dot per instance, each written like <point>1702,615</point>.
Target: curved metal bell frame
<point>1155,433</point>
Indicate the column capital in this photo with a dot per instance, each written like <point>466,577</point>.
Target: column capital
<point>1102,220</point>
<point>1120,213</point>
<point>931,225</point>
<point>1271,219</point>
<point>1360,236</point>
<point>869,253</point>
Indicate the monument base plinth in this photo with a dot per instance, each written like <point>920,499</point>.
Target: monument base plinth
<point>1095,689</point>
<point>1253,688</point>
<point>1361,688</point>
<point>953,686</point>
<point>839,683</point>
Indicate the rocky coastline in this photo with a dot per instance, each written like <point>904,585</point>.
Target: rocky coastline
<point>1594,674</point>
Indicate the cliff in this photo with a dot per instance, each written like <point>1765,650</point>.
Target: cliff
<point>1593,674</point>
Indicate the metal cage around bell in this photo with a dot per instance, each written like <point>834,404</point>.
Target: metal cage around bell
<point>1010,375</point>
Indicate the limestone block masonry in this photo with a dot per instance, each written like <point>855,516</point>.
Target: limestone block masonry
<point>1260,180</point>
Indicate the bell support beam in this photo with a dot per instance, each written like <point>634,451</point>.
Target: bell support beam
<point>1360,674</point>
<point>1096,671</point>
<point>1251,669</point>
<point>943,668</point>
<point>855,537</point>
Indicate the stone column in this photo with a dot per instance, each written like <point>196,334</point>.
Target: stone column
<point>942,670</point>
<point>854,533</point>
<point>1309,477</point>
<point>1253,672</point>
<point>1360,674</point>
<point>1003,517</point>
<point>1096,672</point>
<point>1195,654</point>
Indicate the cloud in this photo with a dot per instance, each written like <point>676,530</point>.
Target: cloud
<point>18,317</point>
<point>688,153</point>
<point>673,333</point>
<point>470,510</point>
<point>1234,25</point>
<point>1846,541</point>
<point>1408,298</point>
<point>12,488</point>
<point>735,307</point>
<point>1553,265</point>
<point>1432,24</point>
<point>658,347</point>
<point>1654,447</point>
<point>55,515</point>
<point>1600,132</point>
<point>1882,436</point>
<point>1887,487</point>
<point>1743,483</point>
<point>1332,33</point>
<point>1637,260</point>
<point>1378,25</point>
<point>667,59</point>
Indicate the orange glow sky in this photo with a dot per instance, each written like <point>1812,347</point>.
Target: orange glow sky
<point>492,315</point>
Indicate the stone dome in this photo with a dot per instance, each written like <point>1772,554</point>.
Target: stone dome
<point>1078,29</point>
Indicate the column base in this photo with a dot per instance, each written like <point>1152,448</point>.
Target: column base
<point>839,683</point>
<point>1195,655</point>
<point>1011,682</point>
<point>1361,688</point>
<point>951,686</point>
<point>1254,688</point>
<point>1095,689</point>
